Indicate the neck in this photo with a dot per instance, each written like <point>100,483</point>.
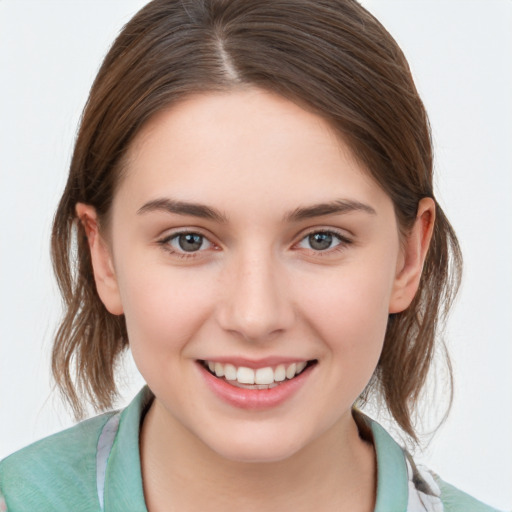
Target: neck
<point>182,473</point>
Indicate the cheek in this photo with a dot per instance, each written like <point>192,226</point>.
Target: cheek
<point>164,308</point>
<point>349,312</point>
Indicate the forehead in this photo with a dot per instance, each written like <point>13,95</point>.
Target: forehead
<point>242,144</point>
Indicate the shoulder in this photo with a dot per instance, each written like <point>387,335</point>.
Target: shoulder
<point>433,493</point>
<point>44,475</point>
<point>455,500</point>
<point>407,485</point>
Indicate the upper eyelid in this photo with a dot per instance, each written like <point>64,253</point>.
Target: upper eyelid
<point>340,233</point>
<point>344,243</point>
<point>169,234</point>
<point>165,242</point>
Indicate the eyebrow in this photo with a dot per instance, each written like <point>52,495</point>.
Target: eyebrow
<point>183,208</point>
<point>339,206</point>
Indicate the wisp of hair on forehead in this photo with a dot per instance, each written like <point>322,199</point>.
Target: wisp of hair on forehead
<point>331,57</point>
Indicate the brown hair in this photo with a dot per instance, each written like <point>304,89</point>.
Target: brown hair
<point>330,56</point>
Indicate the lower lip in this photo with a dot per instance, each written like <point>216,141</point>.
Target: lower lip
<point>254,399</point>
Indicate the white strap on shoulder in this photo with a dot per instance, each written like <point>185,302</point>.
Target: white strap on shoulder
<point>424,493</point>
<point>105,443</point>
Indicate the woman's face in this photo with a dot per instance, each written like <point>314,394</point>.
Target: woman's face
<point>245,237</point>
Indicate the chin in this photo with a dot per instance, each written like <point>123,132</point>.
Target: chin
<point>255,454</point>
<point>257,447</point>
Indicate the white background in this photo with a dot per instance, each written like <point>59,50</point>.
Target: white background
<point>461,56</point>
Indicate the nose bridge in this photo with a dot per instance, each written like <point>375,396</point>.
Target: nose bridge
<point>256,303</point>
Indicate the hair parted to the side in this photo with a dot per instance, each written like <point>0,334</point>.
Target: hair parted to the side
<point>331,57</point>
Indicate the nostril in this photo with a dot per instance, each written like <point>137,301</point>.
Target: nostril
<point>256,306</point>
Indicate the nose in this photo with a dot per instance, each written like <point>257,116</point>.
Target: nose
<point>255,302</point>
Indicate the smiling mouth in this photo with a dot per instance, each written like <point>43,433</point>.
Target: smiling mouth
<point>262,378</point>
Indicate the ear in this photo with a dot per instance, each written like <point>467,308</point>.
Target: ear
<point>101,259</point>
<point>413,254</point>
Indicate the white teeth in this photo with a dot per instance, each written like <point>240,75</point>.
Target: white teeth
<point>262,378</point>
<point>300,367</point>
<point>290,371</point>
<point>219,370</point>
<point>245,375</point>
<point>253,386</point>
<point>280,373</point>
<point>230,372</point>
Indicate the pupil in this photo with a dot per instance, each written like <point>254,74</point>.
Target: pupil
<point>190,242</point>
<point>320,241</point>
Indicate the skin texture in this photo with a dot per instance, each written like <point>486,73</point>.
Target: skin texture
<point>256,288</point>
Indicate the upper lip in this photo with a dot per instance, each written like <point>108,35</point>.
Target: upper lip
<point>255,363</point>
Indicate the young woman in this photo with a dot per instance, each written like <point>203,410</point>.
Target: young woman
<point>250,209</point>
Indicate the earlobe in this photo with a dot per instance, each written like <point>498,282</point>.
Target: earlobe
<point>414,252</point>
<point>101,259</point>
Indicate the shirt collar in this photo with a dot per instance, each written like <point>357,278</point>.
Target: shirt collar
<point>123,478</point>
<point>392,478</point>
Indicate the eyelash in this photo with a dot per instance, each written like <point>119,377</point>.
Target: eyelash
<point>165,244</point>
<point>343,242</point>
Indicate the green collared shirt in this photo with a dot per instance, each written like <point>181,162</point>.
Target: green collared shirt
<point>95,466</point>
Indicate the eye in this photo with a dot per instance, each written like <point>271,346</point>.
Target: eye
<point>322,241</point>
<point>187,242</point>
